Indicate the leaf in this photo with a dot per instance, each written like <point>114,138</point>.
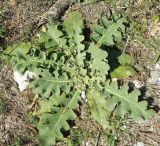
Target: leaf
<point>43,37</point>
<point>56,35</point>
<point>125,102</point>
<point>48,85</point>
<point>22,48</point>
<point>2,31</point>
<point>126,59</point>
<point>55,118</point>
<point>98,62</point>
<point>79,59</point>
<point>97,53</point>
<point>73,24</point>
<point>108,32</point>
<point>105,22</point>
<point>23,62</point>
<point>98,107</point>
<point>123,72</point>
<point>45,136</point>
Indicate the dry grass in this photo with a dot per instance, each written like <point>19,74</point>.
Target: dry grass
<point>15,126</point>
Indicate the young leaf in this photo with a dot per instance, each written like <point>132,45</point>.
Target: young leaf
<point>98,105</point>
<point>123,72</point>
<point>126,59</point>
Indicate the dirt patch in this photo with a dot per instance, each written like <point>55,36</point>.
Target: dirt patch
<point>15,126</point>
<point>21,18</point>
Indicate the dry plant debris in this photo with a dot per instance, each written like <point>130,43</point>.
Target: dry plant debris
<point>14,123</point>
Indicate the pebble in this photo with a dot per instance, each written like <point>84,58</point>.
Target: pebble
<point>139,144</point>
<point>23,80</point>
<point>154,74</point>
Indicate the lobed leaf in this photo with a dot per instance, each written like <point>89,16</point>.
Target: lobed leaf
<point>56,35</point>
<point>54,118</point>
<point>125,102</point>
<point>98,60</point>
<point>48,85</point>
<point>108,32</point>
<point>73,23</point>
<point>21,47</point>
<point>98,105</point>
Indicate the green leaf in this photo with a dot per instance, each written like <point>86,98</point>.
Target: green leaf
<point>99,57</point>
<point>126,59</point>
<point>2,31</point>
<point>98,105</point>
<point>54,118</point>
<point>22,48</point>
<point>105,22</point>
<point>73,24</point>
<point>97,53</point>
<point>108,32</point>
<point>48,85</point>
<point>123,72</point>
<point>43,37</point>
<point>23,62</point>
<point>56,35</point>
<point>45,136</point>
<point>125,102</point>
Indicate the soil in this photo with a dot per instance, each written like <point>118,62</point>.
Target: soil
<point>23,19</point>
<point>15,127</point>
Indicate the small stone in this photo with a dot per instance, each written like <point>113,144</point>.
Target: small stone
<point>83,95</point>
<point>151,129</point>
<point>137,84</point>
<point>155,77</point>
<point>157,66</point>
<point>139,144</point>
<point>23,80</point>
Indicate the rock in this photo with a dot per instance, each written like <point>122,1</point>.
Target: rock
<point>83,95</point>
<point>155,77</point>
<point>139,144</point>
<point>23,80</point>
<point>154,74</point>
<point>137,84</point>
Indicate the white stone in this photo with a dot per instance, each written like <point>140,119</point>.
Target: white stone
<point>155,77</point>
<point>139,144</point>
<point>137,84</point>
<point>23,80</point>
<point>157,66</point>
<point>83,95</point>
